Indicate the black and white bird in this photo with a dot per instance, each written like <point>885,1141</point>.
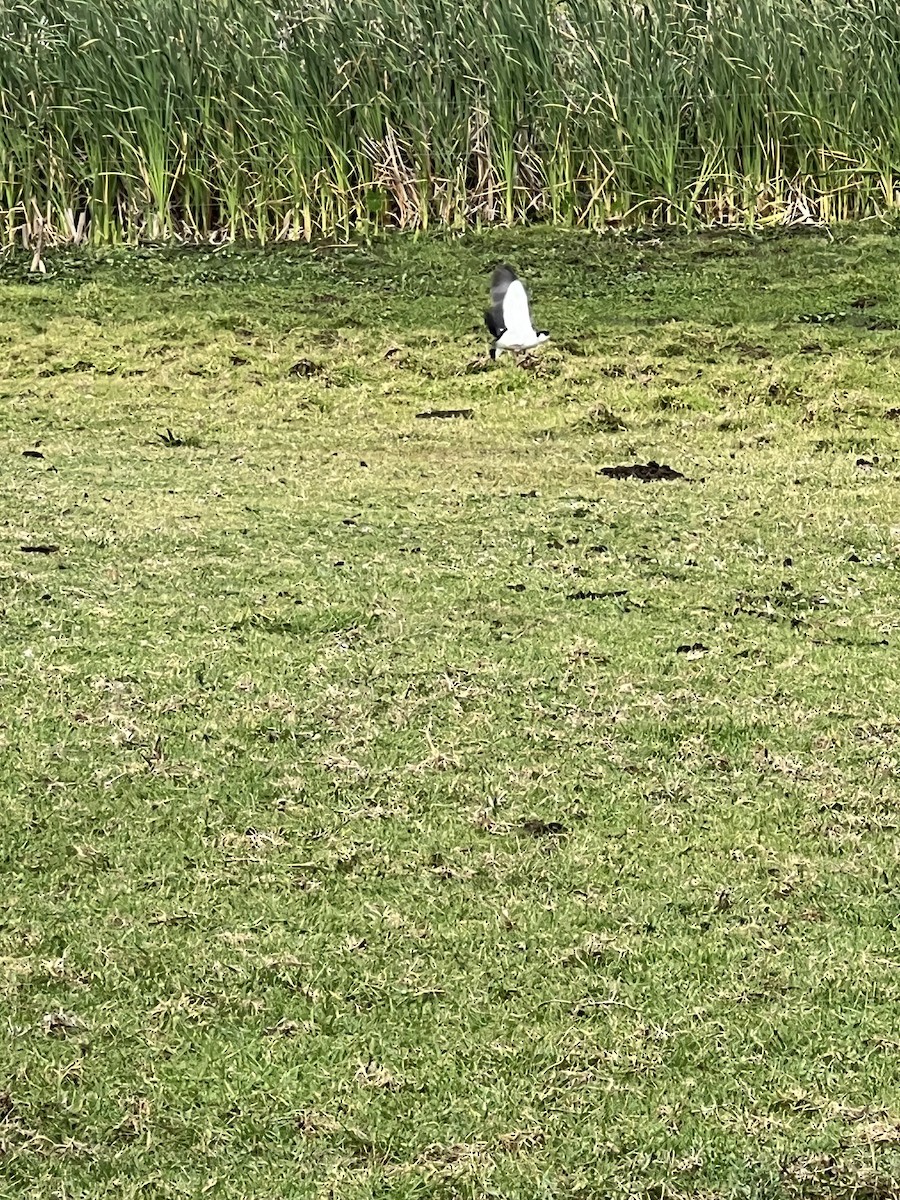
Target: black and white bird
<point>509,318</point>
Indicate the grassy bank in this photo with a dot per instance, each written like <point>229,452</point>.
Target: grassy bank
<point>399,806</point>
<point>241,119</point>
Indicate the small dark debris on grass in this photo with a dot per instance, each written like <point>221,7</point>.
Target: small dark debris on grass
<point>61,1024</point>
<point>266,623</point>
<point>854,558</point>
<point>516,587</point>
<point>867,463</point>
<point>173,441</point>
<point>175,918</point>
<point>600,420</point>
<point>864,301</point>
<point>611,595</point>
<point>303,369</point>
<point>536,364</point>
<point>77,367</point>
<point>32,454</point>
<point>392,351</point>
<point>848,641</point>
<point>238,360</point>
<point>751,350</point>
<point>892,414</point>
<point>284,1028</point>
<point>645,376</point>
<point>589,1005</point>
<point>41,549</point>
<point>538,828</point>
<point>650,472</point>
<point>783,605</point>
<point>465,413</point>
<point>693,650</point>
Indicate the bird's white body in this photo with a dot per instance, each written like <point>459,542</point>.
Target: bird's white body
<point>520,333</point>
<point>509,318</point>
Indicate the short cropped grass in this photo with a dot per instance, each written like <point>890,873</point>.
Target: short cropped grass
<point>399,806</point>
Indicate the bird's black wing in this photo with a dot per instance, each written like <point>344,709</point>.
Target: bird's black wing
<point>500,281</point>
<point>490,319</point>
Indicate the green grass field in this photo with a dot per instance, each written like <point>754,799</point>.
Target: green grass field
<point>400,807</point>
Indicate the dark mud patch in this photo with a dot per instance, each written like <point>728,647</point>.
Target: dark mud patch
<point>609,595</point>
<point>464,414</point>
<point>304,368</point>
<point>651,472</point>
<point>539,829</point>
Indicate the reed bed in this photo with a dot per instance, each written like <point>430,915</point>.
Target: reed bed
<point>299,119</point>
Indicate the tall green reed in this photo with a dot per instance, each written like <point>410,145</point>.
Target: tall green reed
<point>313,118</point>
